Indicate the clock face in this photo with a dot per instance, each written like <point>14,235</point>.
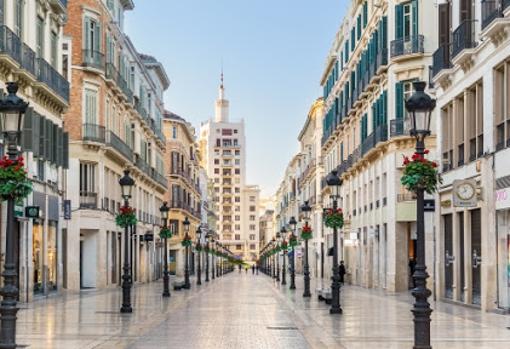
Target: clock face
<point>465,191</point>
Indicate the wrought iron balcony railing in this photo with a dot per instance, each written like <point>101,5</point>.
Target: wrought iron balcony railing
<point>88,200</point>
<point>48,75</point>
<point>406,46</point>
<point>491,9</point>
<point>94,133</point>
<point>441,59</point>
<point>93,58</point>
<point>463,37</point>
<point>118,144</point>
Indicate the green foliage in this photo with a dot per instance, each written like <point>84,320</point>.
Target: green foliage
<point>126,217</point>
<point>334,218</point>
<point>165,233</point>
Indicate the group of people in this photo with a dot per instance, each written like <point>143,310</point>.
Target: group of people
<point>254,268</point>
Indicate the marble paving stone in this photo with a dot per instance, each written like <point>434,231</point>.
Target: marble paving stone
<point>244,311</point>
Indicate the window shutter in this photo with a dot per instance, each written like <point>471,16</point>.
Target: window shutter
<point>415,18</point>
<point>399,100</point>
<point>465,10</point>
<point>97,36</point>
<point>47,145</point>
<point>86,33</point>
<point>399,22</point>
<point>36,130</point>
<point>365,14</point>
<point>384,32</point>
<point>42,137</point>
<point>27,135</point>
<point>54,143</point>
<point>65,152</point>
<point>358,26</point>
<point>444,24</point>
<point>353,39</point>
<point>385,108</point>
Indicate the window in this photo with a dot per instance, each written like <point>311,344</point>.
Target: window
<point>238,162</point>
<point>87,178</point>
<point>406,23</point>
<point>252,236</point>
<point>238,152</point>
<point>238,227</point>
<point>226,132</point>
<point>216,161</point>
<point>253,227</point>
<point>90,106</point>
<point>174,132</point>
<point>252,217</point>
<point>237,190</point>
<point>40,37</point>
<point>502,105</point>
<point>238,209</point>
<point>252,198</point>
<point>237,199</point>
<point>237,171</point>
<point>239,247</point>
<point>253,208</point>
<point>54,49</point>
<point>238,218</point>
<point>238,237</point>
<point>216,171</point>
<point>235,131</point>
<point>92,34</point>
<point>19,7</point>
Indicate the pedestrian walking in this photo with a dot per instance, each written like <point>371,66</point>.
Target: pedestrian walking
<point>257,268</point>
<point>246,269</point>
<point>341,271</point>
<point>239,268</point>
<point>253,269</point>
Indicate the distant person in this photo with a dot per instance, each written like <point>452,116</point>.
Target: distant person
<point>341,271</point>
<point>253,269</point>
<point>246,269</point>
<point>257,268</point>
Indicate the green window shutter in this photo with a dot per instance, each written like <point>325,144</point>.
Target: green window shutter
<point>97,37</point>
<point>65,147</point>
<point>60,149</point>
<point>365,14</point>
<point>47,145</point>
<point>415,17</point>
<point>358,26</point>
<point>54,143</point>
<point>385,108</point>
<point>384,32</point>
<point>86,33</point>
<point>27,134</point>
<point>346,50</point>
<point>42,137</point>
<point>399,22</point>
<point>399,100</point>
<point>353,39</point>
<point>36,129</point>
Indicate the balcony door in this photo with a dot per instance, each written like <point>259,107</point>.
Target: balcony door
<point>406,25</point>
<point>466,10</point>
<point>476,255</point>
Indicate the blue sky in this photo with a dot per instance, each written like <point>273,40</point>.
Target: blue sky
<point>273,53</point>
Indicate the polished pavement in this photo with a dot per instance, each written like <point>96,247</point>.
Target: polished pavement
<point>248,311</point>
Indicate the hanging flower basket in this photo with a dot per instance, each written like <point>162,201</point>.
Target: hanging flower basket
<point>293,241</point>
<point>420,174</point>
<point>14,182</point>
<point>284,246</point>
<point>206,250</point>
<point>198,248</point>
<point>306,232</point>
<point>186,242</point>
<point>165,233</point>
<point>334,218</point>
<point>126,217</point>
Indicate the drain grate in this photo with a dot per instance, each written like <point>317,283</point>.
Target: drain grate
<point>282,328</point>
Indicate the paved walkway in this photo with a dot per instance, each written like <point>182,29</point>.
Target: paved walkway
<point>243,311</point>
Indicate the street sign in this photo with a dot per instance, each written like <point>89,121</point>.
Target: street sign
<point>67,209</point>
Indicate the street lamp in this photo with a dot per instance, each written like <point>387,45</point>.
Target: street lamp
<point>199,255</point>
<point>420,105</point>
<point>283,232</point>
<point>293,224</point>
<point>126,185</point>
<point>208,237</point>
<point>306,209</point>
<point>213,243</point>
<point>218,260</point>
<point>186,224</point>
<point>164,209</point>
<point>334,182</point>
<point>273,260</point>
<point>12,112</point>
<point>278,240</point>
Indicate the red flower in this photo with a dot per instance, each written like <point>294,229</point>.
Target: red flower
<point>426,151</point>
<point>434,164</point>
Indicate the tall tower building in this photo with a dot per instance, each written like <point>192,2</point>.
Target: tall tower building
<point>223,146</point>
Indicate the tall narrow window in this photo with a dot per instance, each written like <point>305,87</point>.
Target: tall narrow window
<point>54,50</point>
<point>90,106</point>
<point>19,6</point>
<point>40,36</point>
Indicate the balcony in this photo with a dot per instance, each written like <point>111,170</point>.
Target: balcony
<point>118,144</point>
<point>382,58</point>
<point>48,75</point>
<point>113,74</point>
<point>10,44</point>
<point>379,135</point>
<point>88,200</point>
<point>28,59</point>
<point>157,177</point>
<point>399,127</point>
<point>491,9</point>
<point>463,37</point>
<point>93,59</point>
<point>407,46</point>
<point>93,133</point>
<point>441,59</point>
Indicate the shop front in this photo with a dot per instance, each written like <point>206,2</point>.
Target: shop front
<point>502,197</point>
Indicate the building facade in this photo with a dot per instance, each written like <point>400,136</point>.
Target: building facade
<point>223,147</point>
<point>309,187</point>
<point>379,50</point>
<point>184,192</point>
<point>471,73</point>
<point>114,123</point>
<point>32,55</point>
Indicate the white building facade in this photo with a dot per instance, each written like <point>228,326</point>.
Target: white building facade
<point>471,73</point>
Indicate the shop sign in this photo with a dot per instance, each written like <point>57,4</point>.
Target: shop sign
<point>32,212</point>
<point>18,211</point>
<point>502,197</point>
<point>149,236</point>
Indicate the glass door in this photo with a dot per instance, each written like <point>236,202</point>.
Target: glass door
<point>448,255</point>
<point>476,255</point>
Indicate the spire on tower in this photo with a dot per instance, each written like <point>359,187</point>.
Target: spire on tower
<point>221,103</point>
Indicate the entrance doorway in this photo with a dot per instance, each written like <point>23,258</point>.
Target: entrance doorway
<point>476,254</point>
<point>448,250</point>
<point>411,257</point>
<point>88,260</point>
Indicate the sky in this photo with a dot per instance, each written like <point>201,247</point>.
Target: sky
<point>273,54</point>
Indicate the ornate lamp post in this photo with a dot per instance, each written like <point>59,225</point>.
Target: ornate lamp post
<point>217,260</point>
<point>126,184</point>
<point>208,237</point>
<point>292,224</point>
<point>213,243</point>
<point>273,259</point>
<point>164,216</point>
<point>283,232</point>
<point>278,238</point>
<point>334,182</point>
<point>199,255</point>
<point>306,209</point>
<point>12,111</point>
<point>420,105</point>
<point>186,224</point>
